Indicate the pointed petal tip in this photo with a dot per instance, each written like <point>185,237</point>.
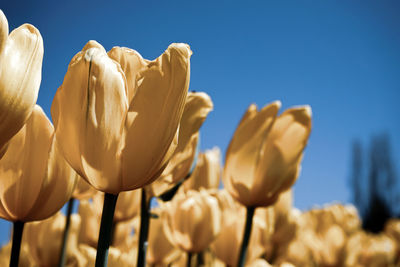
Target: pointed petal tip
<point>93,44</point>
<point>204,97</point>
<point>182,48</point>
<point>277,104</point>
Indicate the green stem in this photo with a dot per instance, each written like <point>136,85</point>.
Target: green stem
<point>104,241</point>
<point>189,259</point>
<point>144,229</point>
<point>246,236</point>
<point>63,251</point>
<point>18,228</point>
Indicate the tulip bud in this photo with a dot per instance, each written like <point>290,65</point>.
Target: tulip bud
<point>207,173</point>
<point>36,180</point>
<point>21,55</point>
<point>197,107</point>
<point>263,158</point>
<point>193,220</point>
<point>160,250</point>
<point>116,115</point>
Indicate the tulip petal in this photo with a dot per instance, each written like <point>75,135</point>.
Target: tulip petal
<point>243,151</point>
<point>20,76</point>
<point>197,107</point>
<point>91,108</point>
<point>282,152</point>
<point>59,177</point>
<point>154,116</point>
<point>132,63</point>
<point>23,166</point>
<point>3,30</point>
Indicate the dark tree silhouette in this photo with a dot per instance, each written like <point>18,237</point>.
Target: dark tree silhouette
<point>374,185</point>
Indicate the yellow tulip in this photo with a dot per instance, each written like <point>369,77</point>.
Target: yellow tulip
<point>116,258</point>
<point>36,181</point>
<point>392,229</point>
<point>264,155</point>
<point>197,107</point>
<point>370,250</point>
<point>44,239</point>
<point>160,250</point>
<point>259,263</point>
<point>227,244</point>
<point>116,115</point>
<point>127,207</point>
<point>207,173</point>
<point>193,220</point>
<point>25,258</point>
<point>90,223</point>
<point>21,55</point>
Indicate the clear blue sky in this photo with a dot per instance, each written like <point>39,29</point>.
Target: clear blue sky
<point>340,57</point>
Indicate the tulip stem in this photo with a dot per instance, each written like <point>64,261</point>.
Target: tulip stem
<point>104,241</point>
<point>189,259</point>
<point>144,229</point>
<point>63,251</point>
<point>246,236</point>
<point>18,228</point>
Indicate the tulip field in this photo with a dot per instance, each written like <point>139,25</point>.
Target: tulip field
<point>123,149</point>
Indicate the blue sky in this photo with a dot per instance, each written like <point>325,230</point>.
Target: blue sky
<point>340,57</point>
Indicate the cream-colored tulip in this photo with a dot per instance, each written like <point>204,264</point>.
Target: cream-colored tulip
<point>370,250</point>
<point>197,107</point>
<point>193,220</point>
<point>160,250</point>
<point>227,244</point>
<point>44,239</point>
<point>25,258</point>
<point>116,115</point>
<point>21,56</point>
<point>207,173</point>
<point>392,229</point>
<point>36,181</point>
<point>116,258</point>
<point>90,226</point>
<point>264,155</point>
<point>127,207</point>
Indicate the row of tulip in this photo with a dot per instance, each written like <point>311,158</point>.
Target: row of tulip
<point>205,224</point>
<point>128,127</point>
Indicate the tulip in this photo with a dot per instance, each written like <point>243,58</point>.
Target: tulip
<point>160,250</point>
<point>370,250</point>
<point>263,157</point>
<point>117,116</point>
<point>197,107</point>
<point>90,213</point>
<point>107,128</point>
<point>227,244</point>
<point>127,206</point>
<point>36,180</point>
<point>43,236</point>
<point>117,258</point>
<point>207,173</point>
<point>25,257</point>
<point>193,220</point>
<point>21,55</point>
